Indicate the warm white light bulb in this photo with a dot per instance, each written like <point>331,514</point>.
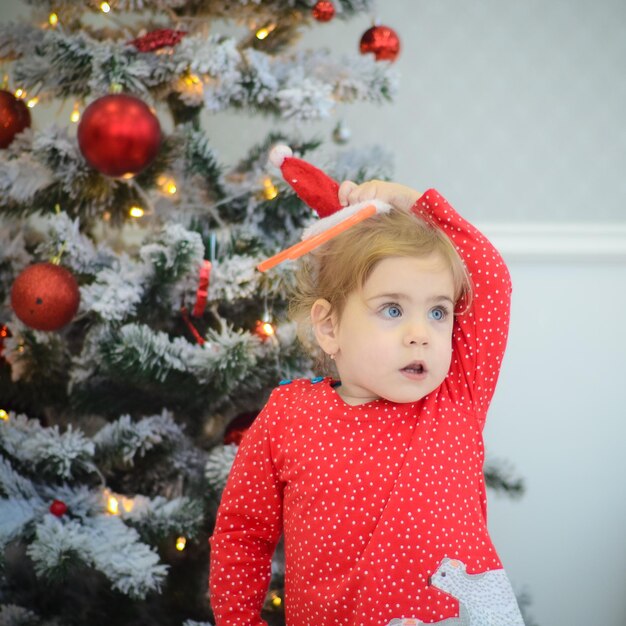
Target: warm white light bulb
<point>75,114</point>
<point>263,33</point>
<point>113,505</point>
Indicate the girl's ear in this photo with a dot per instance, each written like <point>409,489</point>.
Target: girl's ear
<point>324,326</point>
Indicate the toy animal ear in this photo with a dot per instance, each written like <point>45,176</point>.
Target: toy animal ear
<point>455,563</point>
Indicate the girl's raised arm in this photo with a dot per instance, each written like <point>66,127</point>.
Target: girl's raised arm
<point>481,331</point>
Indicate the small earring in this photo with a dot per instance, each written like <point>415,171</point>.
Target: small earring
<point>332,356</point>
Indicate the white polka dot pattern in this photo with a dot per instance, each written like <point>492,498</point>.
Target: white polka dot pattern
<point>371,498</point>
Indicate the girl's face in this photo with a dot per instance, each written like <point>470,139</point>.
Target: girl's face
<point>394,337</point>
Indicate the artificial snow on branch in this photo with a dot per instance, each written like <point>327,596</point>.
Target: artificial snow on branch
<point>156,518</point>
<point>218,464</point>
<point>61,455</point>
<point>66,240</point>
<point>15,514</point>
<point>22,178</point>
<point>119,442</point>
<point>235,277</point>
<point>115,293</point>
<point>19,503</point>
<point>103,542</point>
<point>137,352</point>
<point>174,253</point>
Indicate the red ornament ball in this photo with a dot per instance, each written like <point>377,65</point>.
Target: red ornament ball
<point>324,11</point>
<point>14,117</point>
<point>58,508</point>
<point>382,41</point>
<point>45,296</point>
<point>119,135</point>
<point>237,429</point>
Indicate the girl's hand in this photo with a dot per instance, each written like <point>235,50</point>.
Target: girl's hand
<point>397,195</point>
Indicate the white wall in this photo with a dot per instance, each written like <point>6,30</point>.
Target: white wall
<point>558,416</point>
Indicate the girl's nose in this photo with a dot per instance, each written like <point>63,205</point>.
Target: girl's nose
<point>416,334</point>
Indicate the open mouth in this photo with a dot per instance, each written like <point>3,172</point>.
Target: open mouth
<point>416,368</point>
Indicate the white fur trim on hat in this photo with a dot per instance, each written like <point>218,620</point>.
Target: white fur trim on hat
<point>321,225</point>
<point>279,153</point>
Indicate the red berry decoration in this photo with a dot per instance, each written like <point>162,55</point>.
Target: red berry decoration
<point>119,135</point>
<point>58,508</point>
<point>382,41</point>
<point>157,39</point>
<point>14,117</point>
<point>324,11</point>
<point>45,296</point>
<point>4,333</point>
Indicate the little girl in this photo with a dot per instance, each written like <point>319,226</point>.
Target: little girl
<point>374,476</point>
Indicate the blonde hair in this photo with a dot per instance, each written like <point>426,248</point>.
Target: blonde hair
<point>336,269</point>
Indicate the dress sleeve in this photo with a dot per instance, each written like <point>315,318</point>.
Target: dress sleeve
<point>247,529</point>
<point>480,331</point>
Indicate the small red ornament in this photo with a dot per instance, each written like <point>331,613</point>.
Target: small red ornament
<point>14,117</point>
<point>58,508</point>
<point>324,11</point>
<point>45,296</point>
<point>382,41</point>
<point>119,135</point>
<point>236,430</point>
<point>4,333</point>
<point>157,39</point>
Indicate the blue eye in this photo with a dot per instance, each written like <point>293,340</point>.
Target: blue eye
<point>438,314</point>
<point>392,310</point>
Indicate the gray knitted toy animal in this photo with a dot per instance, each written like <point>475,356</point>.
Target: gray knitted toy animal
<point>485,599</point>
<point>488,597</point>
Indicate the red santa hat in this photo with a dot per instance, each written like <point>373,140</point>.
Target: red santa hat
<point>320,192</point>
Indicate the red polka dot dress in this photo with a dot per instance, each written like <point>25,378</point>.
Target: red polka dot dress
<point>382,505</point>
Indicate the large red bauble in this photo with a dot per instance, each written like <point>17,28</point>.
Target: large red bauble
<point>14,117</point>
<point>119,135</point>
<point>382,41</point>
<point>45,296</point>
<point>324,11</point>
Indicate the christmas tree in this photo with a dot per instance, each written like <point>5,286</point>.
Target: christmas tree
<point>137,339</point>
